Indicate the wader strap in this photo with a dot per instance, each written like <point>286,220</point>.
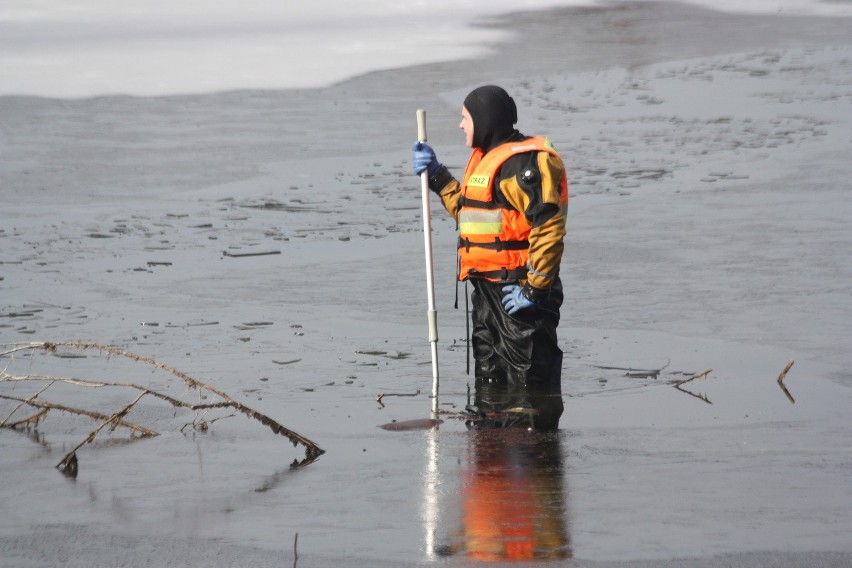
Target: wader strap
<point>458,272</point>
<point>466,312</point>
<point>467,328</point>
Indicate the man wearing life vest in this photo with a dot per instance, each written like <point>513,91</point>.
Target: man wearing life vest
<point>511,207</point>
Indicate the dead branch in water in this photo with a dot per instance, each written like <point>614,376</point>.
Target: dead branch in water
<point>702,397</point>
<point>295,550</point>
<point>46,406</point>
<point>696,377</point>
<point>781,381</point>
<point>68,465</point>
<point>636,373</point>
<point>382,395</point>
<point>23,402</point>
<point>244,254</point>
<point>69,462</point>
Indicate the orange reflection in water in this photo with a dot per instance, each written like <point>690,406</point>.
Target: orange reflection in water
<point>513,500</point>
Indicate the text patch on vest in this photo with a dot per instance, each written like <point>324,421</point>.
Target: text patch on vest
<point>478,181</point>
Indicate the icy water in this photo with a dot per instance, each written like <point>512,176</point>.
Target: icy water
<point>277,256</point>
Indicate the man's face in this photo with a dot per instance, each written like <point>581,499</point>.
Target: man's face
<point>467,126</point>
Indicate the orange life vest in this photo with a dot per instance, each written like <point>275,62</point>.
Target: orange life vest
<point>493,239</point>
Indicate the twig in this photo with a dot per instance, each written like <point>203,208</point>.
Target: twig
<point>22,403</point>
<point>70,459</point>
<point>202,424</point>
<point>244,254</point>
<point>28,421</point>
<point>636,373</point>
<point>295,550</point>
<point>4,377</point>
<point>690,393</point>
<point>45,405</point>
<point>381,395</point>
<point>696,377</point>
<point>781,381</point>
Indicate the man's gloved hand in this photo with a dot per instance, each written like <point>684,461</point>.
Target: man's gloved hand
<point>424,159</point>
<point>514,299</point>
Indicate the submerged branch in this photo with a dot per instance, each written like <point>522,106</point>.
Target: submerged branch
<point>636,373</point>
<point>47,406</point>
<point>382,395</point>
<point>22,403</point>
<point>702,397</point>
<point>696,377</point>
<point>28,422</point>
<point>69,461</point>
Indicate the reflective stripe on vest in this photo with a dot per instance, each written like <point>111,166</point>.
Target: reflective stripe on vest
<point>480,221</point>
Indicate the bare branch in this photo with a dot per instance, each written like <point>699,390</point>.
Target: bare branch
<point>277,428</point>
<point>30,421</point>
<point>43,404</point>
<point>69,462</point>
<point>312,451</point>
<point>636,373</point>
<point>702,397</point>
<point>22,403</point>
<point>696,377</point>
<point>781,381</point>
<point>97,384</point>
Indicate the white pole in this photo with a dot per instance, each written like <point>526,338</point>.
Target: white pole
<point>431,314</point>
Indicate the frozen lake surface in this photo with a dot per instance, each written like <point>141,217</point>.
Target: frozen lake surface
<point>148,48</point>
<point>708,229</point>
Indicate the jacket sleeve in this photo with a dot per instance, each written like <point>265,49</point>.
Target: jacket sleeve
<point>537,195</point>
<point>448,189</point>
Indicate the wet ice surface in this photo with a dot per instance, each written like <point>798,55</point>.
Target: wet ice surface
<point>208,233</point>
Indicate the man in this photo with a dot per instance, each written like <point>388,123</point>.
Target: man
<point>510,207</point>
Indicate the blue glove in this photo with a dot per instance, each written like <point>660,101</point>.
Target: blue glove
<point>514,299</point>
<point>424,159</point>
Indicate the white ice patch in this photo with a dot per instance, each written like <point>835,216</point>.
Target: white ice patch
<point>96,47</point>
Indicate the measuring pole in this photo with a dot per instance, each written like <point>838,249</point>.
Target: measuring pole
<point>431,314</point>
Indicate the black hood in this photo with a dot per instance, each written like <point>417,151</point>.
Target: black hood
<point>494,115</point>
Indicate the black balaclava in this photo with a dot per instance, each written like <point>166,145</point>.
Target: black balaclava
<point>494,114</point>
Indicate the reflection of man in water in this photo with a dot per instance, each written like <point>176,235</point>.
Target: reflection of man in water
<point>513,503</point>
